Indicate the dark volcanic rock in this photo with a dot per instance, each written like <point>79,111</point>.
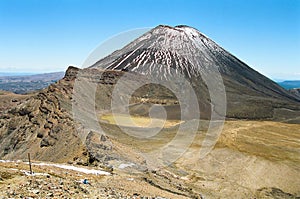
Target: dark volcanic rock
<point>189,52</point>
<point>296,92</point>
<point>71,73</point>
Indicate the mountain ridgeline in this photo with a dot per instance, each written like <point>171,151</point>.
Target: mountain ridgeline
<point>185,50</point>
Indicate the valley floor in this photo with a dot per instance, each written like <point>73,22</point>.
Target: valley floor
<point>252,159</point>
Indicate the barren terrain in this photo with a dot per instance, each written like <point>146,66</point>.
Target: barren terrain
<point>252,159</point>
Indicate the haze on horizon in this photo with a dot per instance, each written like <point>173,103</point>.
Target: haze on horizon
<point>48,36</point>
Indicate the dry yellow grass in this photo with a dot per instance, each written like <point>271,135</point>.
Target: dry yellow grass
<point>271,140</point>
<point>138,121</point>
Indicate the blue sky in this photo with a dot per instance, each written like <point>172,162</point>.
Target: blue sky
<point>49,35</point>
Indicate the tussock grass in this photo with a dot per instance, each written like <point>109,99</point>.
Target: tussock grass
<point>138,121</point>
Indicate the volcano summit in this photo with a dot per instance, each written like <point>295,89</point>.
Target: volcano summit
<point>183,49</point>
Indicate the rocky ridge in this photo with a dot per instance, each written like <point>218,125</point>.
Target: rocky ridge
<point>295,91</point>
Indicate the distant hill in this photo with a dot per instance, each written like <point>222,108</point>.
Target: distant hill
<point>291,84</point>
<point>21,84</point>
<point>15,74</point>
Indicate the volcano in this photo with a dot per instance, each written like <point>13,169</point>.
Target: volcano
<point>252,157</point>
<point>185,50</point>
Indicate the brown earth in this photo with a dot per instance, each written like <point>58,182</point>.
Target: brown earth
<point>252,159</point>
<point>8,100</point>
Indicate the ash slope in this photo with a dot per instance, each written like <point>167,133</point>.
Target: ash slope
<point>186,50</point>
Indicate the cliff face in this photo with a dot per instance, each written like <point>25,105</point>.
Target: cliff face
<point>42,125</point>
